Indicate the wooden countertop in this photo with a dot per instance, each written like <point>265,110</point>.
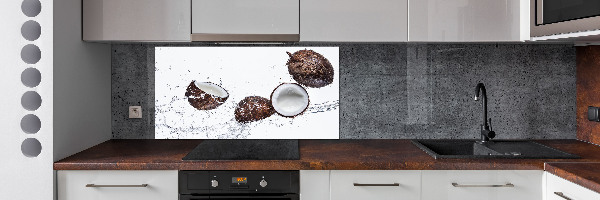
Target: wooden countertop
<point>314,155</point>
<point>331,155</point>
<point>581,173</point>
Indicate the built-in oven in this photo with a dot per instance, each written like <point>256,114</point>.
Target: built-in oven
<point>234,185</point>
<point>555,17</point>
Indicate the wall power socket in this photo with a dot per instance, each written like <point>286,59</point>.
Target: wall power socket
<point>135,112</point>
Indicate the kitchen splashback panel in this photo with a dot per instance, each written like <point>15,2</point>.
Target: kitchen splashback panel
<point>406,91</point>
<point>244,72</point>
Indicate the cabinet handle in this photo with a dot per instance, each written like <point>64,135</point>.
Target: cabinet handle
<point>505,185</point>
<point>361,184</point>
<point>560,194</point>
<point>94,185</point>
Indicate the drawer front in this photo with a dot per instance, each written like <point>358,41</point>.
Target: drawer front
<point>408,184</point>
<point>161,185</point>
<point>566,190</point>
<point>482,184</point>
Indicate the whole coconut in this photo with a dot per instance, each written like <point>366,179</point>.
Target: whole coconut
<point>310,68</point>
<point>205,95</point>
<point>253,108</point>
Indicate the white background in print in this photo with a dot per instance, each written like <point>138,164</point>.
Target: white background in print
<point>242,71</point>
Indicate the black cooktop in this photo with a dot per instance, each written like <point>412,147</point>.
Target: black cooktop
<point>245,150</point>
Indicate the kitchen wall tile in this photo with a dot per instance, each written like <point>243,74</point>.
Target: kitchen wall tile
<point>404,90</point>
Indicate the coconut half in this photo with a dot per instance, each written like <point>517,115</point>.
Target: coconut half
<point>253,108</point>
<point>289,99</point>
<point>205,95</point>
<point>310,68</point>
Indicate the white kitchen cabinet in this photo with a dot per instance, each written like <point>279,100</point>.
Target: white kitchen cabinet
<point>482,184</point>
<point>354,20</point>
<point>468,20</point>
<point>117,185</point>
<point>378,184</point>
<point>314,184</point>
<point>243,20</point>
<point>136,20</point>
<point>561,189</point>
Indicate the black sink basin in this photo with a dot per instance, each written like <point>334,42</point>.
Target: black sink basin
<point>493,149</point>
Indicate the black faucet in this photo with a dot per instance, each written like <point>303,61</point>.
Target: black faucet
<point>486,130</point>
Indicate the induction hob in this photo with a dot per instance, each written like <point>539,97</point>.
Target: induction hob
<point>245,150</point>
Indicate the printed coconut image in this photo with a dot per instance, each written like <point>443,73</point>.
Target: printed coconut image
<point>205,95</point>
<point>310,68</point>
<point>289,99</point>
<point>246,93</point>
<point>253,108</point>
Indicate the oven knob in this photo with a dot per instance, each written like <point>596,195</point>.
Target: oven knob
<point>214,183</point>
<point>263,183</point>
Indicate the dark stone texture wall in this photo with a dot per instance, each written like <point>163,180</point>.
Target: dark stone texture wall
<point>400,90</point>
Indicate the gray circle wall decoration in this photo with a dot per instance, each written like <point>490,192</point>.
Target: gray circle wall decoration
<point>31,147</point>
<point>31,124</point>
<point>31,54</point>
<point>31,30</point>
<point>31,77</point>
<point>31,8</point>
<point>31,100</point>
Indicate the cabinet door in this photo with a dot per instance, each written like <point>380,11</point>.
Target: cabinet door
<point>117,185</point>
<point>379,185</point>
<point>136,20</point>
<point>354,20</point>
<point>482,184</point>
<point>245,17</point>
<point>561,189</point>
<point>468,20</point>
<point>314,184</point>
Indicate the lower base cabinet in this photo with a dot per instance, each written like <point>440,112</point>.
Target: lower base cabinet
<point>560,189</point>
<point>482,184</point>
<point>341,185</point>
<point>375,185</point>
<point>117,185</point>
<point>421,185</point>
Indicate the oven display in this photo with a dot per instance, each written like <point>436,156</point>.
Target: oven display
<point>239,180</point>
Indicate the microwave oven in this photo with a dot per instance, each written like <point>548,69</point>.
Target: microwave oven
<point>555,19</point>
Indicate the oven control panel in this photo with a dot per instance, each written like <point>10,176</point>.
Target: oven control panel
<point>239,182</point>
<point>219,182</point>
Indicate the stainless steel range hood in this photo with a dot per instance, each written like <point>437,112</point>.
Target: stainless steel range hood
<point>246,20</point>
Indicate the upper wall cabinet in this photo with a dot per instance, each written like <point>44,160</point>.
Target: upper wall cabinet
<point>136,20</point>
<point>354,20</point>
<point>244,20</point>
<point>468,20</point>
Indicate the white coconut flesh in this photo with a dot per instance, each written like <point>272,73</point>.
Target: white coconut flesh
<point>289,99</point>
<point>212,89</point>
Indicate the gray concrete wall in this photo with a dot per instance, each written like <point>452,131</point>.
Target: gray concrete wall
<point>407,90</point>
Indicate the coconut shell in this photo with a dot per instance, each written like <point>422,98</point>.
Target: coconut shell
<point>202,100</point>
<point>253,108</point>
<point>310,68</point>
<point>273,92</point>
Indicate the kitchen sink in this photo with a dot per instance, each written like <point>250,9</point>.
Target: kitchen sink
<point>491,149</point>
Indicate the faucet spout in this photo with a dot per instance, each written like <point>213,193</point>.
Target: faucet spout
<point>486,133</point>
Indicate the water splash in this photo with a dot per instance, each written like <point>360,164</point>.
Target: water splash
<point>174,118</point>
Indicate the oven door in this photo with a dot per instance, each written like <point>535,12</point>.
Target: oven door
<point>236,197</point>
